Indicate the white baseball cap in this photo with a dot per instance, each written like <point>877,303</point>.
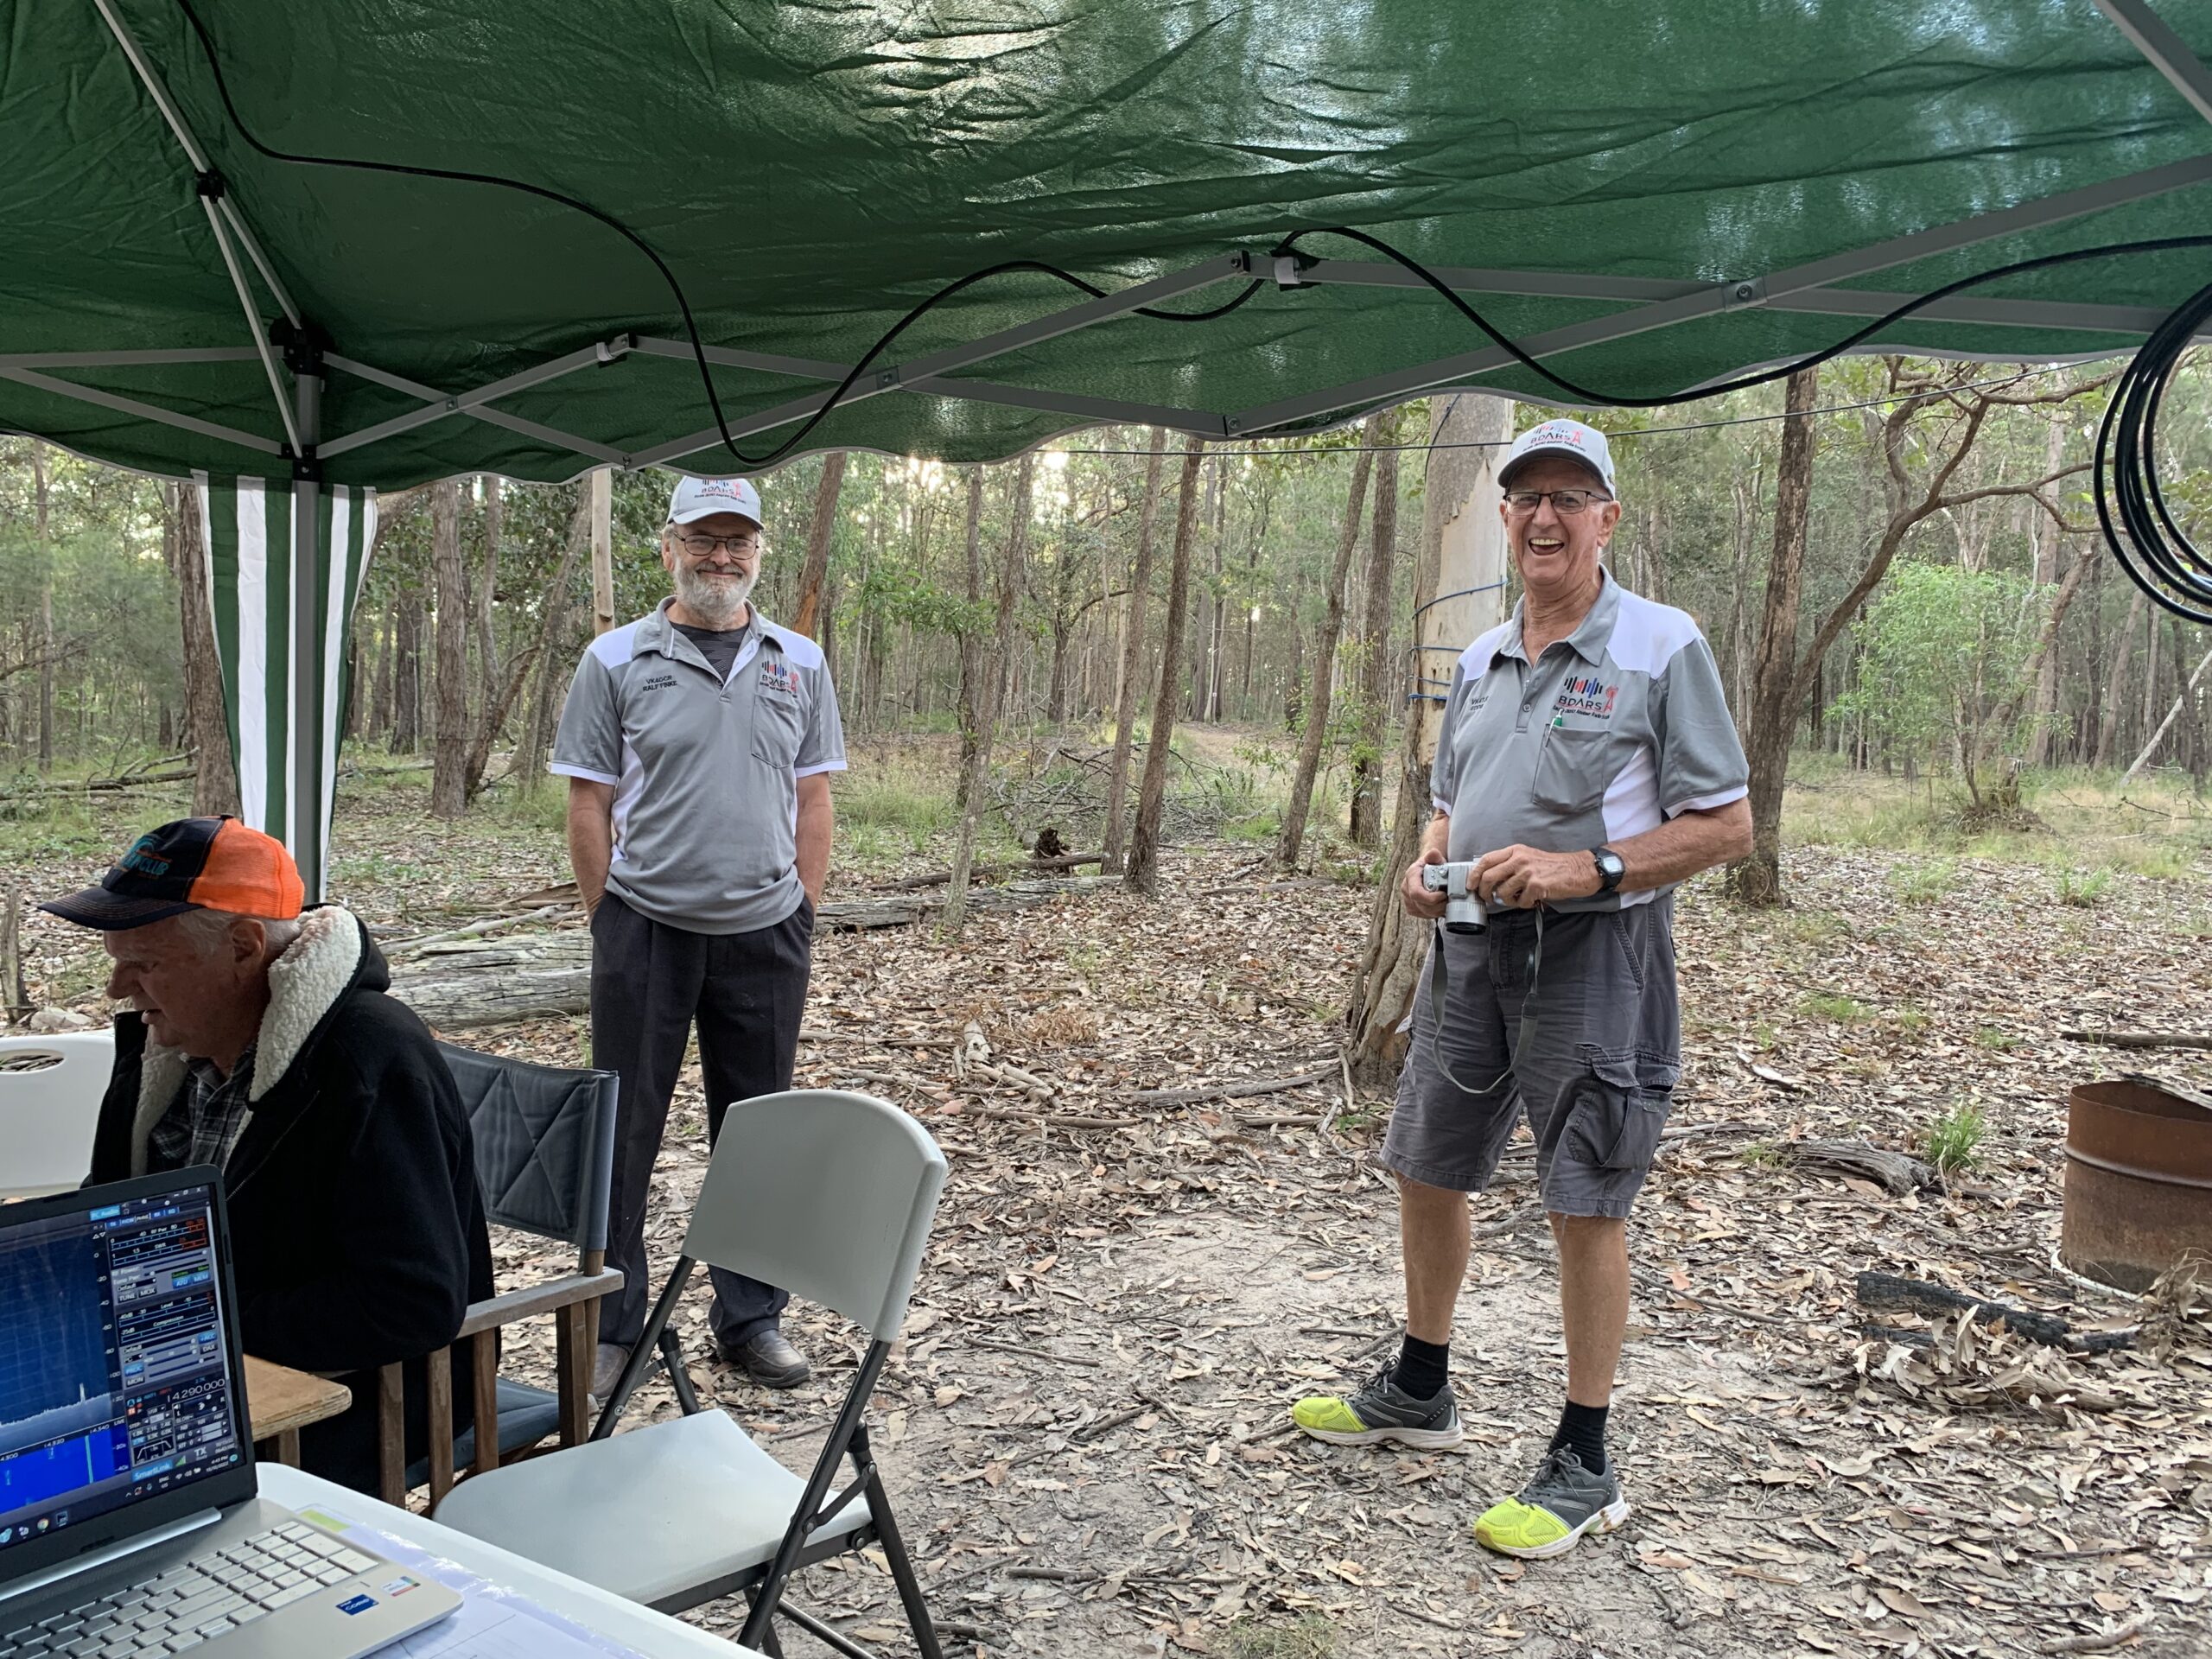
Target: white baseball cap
<point>703,498</point>
<point>1562,437</point>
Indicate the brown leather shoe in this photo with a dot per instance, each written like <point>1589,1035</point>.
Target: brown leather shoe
<point>768,1358</point>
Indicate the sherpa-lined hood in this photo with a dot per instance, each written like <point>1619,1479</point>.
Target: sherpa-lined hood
<point>332,954</point>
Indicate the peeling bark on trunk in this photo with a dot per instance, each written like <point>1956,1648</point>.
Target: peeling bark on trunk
<point>1125,702</point>
<point>821,530</point>
<point>214,781</point>
<point>1366,821</point>
<point>991,684</point>
<point>1316,733</point>
<point>449,753</point>
<point>1143,874</point>
<point>1758,879</point>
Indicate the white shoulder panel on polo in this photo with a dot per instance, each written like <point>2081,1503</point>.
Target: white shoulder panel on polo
<point>802,651</point>
<point>617,645</point>
<point>1647,635</point>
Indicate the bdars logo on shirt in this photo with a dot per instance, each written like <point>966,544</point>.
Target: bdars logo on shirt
<point>779,678</point>
<point>1587,698</point>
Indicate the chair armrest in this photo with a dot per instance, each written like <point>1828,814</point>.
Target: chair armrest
<point>546,1297</point>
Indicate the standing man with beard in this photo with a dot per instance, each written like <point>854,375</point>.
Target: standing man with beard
<point>697,742</point>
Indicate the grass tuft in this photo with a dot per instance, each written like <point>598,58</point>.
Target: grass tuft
<point>1952,1141</point>
<point>2083,889</point>
<point>1828,1005</point>
<point>1311,1638</point>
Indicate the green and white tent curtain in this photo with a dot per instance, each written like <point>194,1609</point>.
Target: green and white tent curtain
<point>271,664</point>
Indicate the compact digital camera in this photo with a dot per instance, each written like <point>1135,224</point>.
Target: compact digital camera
<point>1463,910</point>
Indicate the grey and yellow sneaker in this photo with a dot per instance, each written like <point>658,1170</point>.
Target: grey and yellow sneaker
<point>1563,1502</point>
<point>1381,1411</point>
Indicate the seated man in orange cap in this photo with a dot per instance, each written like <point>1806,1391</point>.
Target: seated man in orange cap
<point>258,1039</point>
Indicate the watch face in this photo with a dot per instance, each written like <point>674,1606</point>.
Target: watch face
<point>1610,866</point>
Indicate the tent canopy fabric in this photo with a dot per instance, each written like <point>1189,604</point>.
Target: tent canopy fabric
<point>1660,195</point>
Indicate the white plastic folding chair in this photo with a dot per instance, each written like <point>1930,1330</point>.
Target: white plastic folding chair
<point>830,1195</point>
<point>50,1092</point>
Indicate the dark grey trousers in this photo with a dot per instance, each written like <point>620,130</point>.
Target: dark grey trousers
<point>649,981</point>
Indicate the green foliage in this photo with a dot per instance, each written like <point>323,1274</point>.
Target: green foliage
<point>1952,1140</point>
<point>1830,1005</point>
<point>1313,1637</point>
<point>1942,649</point>
<point>1924,882</point>
<point>1993,1038</point>
<point>2083,889</point>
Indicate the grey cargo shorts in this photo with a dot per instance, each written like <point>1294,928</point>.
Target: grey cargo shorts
<point>1597,1076</point>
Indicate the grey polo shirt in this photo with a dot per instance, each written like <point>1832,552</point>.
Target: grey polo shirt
<point>1614,730</point>
<point>705,768</point>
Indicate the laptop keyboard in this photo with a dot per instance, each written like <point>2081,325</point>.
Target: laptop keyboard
<point>195,1602</point>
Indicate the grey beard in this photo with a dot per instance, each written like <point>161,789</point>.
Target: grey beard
<point>718,604</point>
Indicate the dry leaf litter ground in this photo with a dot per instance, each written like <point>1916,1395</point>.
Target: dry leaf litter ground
<point>1084,1424</point>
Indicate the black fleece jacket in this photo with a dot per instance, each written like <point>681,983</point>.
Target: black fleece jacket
<point>358,1233</point>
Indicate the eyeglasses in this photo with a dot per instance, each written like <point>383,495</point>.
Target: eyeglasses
<point>1568,503</point>
<point>702,547</point>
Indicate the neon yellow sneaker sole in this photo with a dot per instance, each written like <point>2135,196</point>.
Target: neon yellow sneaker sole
<point>1378,1412</point>
<point>1535,1534</point>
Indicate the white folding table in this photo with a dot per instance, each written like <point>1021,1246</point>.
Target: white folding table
<point>655,1636</point>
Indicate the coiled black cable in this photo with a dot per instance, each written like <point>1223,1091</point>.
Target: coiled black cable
<point>2154,550</point>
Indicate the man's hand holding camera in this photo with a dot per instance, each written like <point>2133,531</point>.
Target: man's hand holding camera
<point>1521,878</point>
<point>1515,878</point>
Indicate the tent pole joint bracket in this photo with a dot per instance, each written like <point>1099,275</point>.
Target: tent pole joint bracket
<point>209,185</point>
<point>1751,290</point>
<point>613,351</point>
<point>303,346</point>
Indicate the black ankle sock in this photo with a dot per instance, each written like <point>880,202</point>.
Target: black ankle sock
<point>1583,1427</point>
<point>1423,1367</point>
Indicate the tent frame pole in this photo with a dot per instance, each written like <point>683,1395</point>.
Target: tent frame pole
<point>310,673</point>
<point>1714,299</point>
<point>2148,33</point>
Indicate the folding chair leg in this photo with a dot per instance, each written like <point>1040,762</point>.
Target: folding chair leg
<point>648,1344</point>
<point>829,1635</point>
<point>672,1356</point>
<point>894,1550</point>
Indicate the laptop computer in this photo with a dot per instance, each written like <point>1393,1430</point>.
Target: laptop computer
<point>130,1522</point>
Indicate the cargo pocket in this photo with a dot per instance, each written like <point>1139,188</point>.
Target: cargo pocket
<point>1622,1106</point>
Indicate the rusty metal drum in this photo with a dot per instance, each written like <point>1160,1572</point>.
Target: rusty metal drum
<point>2138,1181</point>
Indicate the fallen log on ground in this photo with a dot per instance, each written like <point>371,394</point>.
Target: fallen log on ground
<point>1894,1172</point>
<point>2140,1038</point>
<point>464,982</point>
<point>1889,1291</point>
<point>942,878</point>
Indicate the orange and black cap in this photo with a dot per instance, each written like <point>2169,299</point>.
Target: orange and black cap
<point>190,864</point>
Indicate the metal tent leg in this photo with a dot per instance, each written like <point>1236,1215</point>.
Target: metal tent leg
<point>304,700</point>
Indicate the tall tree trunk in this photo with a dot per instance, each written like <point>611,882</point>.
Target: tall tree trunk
<point>1758,879</point>
<point>2149,677</point>
<point>380,701</point>
<point>407,673</point>
<point>821,530</point>
<point>990,686</point>
<point>487,649</point>
<point>1316,733</point>
<point>215,781</point>
<point>1125,700</point>
<point>1142,874</point>
<point>2188,692</point>
<point>449,753</point>
<point>972,666</point>
<point>2044,537</point>
<point>40,496</point>
<point>1218,499</point>
<point>2116,689</point>
<point>602,495</point>
<point>1463,553</point>
<point>1374,645</point>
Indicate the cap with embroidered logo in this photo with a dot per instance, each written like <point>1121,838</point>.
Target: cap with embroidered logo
<point>703,498</point>
<point>190,864</point>
<point>1560,437</point>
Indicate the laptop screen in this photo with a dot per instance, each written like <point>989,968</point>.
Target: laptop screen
<point>117,1387</point>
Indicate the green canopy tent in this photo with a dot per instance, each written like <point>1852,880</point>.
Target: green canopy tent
<point>1648,197</point>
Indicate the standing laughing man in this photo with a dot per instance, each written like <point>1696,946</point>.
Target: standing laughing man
<point>1587,766</point>
<point>698,743</point>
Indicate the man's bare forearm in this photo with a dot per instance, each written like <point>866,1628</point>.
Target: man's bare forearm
<point>818,821</point>
<point>591,837</point>
<point>1436,836</point>
<point>1685,844</point>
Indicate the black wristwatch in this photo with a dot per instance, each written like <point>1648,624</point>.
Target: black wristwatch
<point>1610,868</point>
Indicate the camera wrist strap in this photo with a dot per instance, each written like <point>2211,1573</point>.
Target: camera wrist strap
<point>1436,987</point>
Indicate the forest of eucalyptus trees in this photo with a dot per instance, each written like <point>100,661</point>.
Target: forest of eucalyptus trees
<point>1909,581</point>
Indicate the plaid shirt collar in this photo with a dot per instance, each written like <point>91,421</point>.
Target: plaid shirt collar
<point>207,1117</point>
